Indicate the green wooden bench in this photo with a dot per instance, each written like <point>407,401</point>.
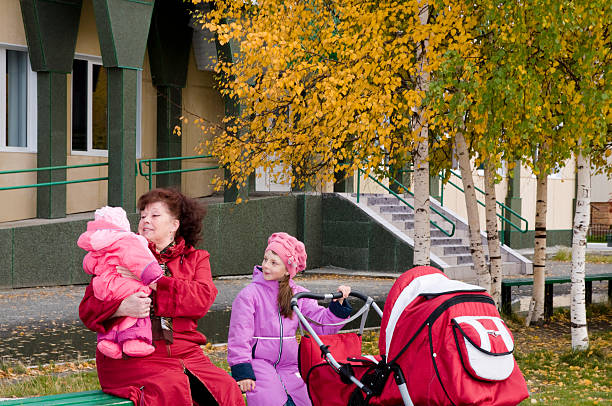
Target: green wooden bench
<point>94,397</point>
<point>548,287</point>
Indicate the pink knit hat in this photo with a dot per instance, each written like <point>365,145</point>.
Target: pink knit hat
<point>113,215</point>
<point>291,251</point>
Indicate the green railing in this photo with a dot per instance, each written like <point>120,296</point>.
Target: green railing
<point>395,182</point>
<point>500,204</point>
<point>149,173</point>
<point>52,168</point>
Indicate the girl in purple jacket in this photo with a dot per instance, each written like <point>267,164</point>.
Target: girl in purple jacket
<point>262,349</point>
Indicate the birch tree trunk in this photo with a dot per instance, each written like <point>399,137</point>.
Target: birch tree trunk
<point>580,336</point>
<point>483,277</point>
<point>493,234</point>
<point>539,253</point>
<point>421,164</point>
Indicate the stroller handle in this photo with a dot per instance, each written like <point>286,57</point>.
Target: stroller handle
<point>328,296</point>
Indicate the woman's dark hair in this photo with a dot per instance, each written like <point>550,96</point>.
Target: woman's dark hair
<point>188,211</point>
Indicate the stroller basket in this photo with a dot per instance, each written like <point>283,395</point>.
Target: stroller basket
<point>348,367</point>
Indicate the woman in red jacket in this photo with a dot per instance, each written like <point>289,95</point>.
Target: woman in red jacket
<point>178,372</point>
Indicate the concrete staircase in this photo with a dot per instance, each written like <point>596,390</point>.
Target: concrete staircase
<point>452,254</point>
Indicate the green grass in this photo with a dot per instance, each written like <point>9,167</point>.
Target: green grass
<point>555,374</point>
<point>50,385</point>
<point>16,380</point>
<point>569,377</point>
<point>565,255</point>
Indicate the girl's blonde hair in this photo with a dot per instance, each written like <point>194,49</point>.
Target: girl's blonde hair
<point>285,293</point>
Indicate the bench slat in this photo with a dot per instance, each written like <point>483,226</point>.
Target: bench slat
<point>556,279</point>
<point>96,397</point>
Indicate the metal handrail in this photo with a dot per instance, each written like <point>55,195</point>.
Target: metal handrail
<point>51,168</point>
<point>150,173</point>
<point>452,232</point>
<point>503,206</point>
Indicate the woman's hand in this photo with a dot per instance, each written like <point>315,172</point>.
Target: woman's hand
<point>346,290</point>
<point>137,305</point>
<point>246,385</point>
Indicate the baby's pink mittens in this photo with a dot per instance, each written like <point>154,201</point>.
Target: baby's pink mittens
<point>137,348</point>
<point>110,349</point>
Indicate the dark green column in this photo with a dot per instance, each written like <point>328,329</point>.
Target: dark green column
<point>123,28</point>
<point>434,187</point>
<point>225,53</point>
<point>52,112</point>
<point>51,51</point>
<point>169,47</point>
<point>514,201</point>
<point>122,115</point>
<point>169,102</point>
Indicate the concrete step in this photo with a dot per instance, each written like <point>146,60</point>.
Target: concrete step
<point>402,216</point>
<point>446,241</point>
<point>389,200</point>
<point>395,209</point>
<point>455,249</point>
<point>457,259</point>
<point>466,273</point>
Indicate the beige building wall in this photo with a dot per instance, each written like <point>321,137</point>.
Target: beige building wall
<point>200,101</point>
<point>199,97</point>
<point>12,30</point>
<point>601,185</point>
<point>19,203</point>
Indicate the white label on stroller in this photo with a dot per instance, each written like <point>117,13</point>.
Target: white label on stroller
<point>486,366</point>
<point>298,375</point>
<point>485,342</point>
<point>427,284</point>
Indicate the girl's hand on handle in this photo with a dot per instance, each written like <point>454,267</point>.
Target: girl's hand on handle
<point>246,385</point>
<point>346,290</point>
<point>136,305</point>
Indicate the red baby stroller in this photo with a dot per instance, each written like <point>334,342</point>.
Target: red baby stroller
<point>441,340</point>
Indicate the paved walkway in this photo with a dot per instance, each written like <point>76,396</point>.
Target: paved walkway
<point>38,325</point>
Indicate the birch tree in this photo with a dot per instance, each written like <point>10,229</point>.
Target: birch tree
<point>495,259</point>
<point>580,337</point>
<point>421,160</point>
<point>483,277</point>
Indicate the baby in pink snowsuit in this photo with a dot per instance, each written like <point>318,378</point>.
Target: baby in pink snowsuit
<point>110,244</point>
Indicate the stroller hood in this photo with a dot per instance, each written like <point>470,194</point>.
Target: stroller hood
<point>413,288</point>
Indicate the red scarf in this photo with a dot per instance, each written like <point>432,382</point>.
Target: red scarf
<point>171,251</point>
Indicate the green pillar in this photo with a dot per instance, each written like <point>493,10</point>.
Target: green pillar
<point>51,52</point>
<point>122,114</point>
<point>169,110</point>
<point>434,187</point>
<point>123,29</point>
<point>513,201</point>
<point>169,46</point>
<point>226,53</point>
<point>51,88</point>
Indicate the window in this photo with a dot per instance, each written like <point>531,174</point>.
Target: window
<point>17,101</point>
<point>89,108</point>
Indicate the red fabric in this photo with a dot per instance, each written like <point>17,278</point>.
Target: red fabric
<point>341,347</point>
<point>325,386</point>
<point>441,378</point>
<point>159,378</point>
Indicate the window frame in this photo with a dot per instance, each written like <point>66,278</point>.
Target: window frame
<point>32,103</point>
<point>97,60</point>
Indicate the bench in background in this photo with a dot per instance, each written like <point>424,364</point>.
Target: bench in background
<point>548,295</point>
